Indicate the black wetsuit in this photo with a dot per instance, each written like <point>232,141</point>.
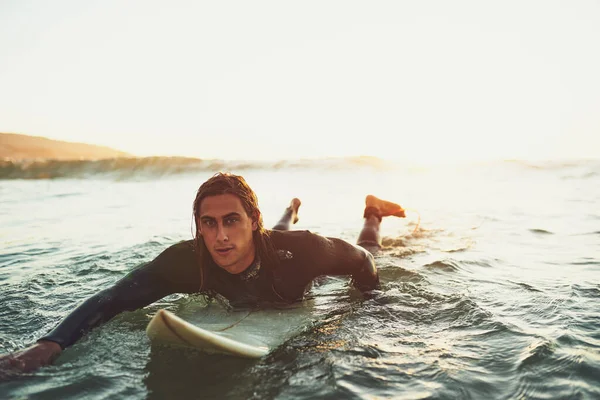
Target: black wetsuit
<point>303,257</point>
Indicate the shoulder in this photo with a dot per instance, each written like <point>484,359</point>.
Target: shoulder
<point>180,255</point>
<point>287,235</point>
<point>285,239</point>
<point>185,246</point>
<point>311,244</point>
<point>316,245</point>
<point>176,264</point>
<point>181,249</point>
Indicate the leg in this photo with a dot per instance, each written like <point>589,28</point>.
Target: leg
<point>375,210</point>
<point>290,216</point>
<point>369,237</point>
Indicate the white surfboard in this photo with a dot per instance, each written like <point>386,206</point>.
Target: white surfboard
<point>214,329</point>
<point>167,327</point>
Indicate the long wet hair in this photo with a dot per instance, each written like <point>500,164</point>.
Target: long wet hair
<point>227,183</point>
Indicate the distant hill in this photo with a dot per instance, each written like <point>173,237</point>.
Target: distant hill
<point>23,147</point>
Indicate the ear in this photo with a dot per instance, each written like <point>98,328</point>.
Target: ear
<point>255,219</point>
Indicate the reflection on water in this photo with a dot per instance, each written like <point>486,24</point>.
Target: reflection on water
<point>180,373</point>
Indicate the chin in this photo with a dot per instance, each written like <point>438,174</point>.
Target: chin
<point>232,269</point>
<point>224,264</point>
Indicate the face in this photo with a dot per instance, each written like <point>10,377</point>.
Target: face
<point>227,232</point>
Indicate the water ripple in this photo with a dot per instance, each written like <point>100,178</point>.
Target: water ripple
<point>444,265</point>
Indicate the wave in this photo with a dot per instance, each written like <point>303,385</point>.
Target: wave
<point>443,265</point>
<point>158,166</point>
<point>152,167</point>
<point>567,169</point>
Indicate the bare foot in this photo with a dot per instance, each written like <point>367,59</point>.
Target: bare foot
<point>294,206</point>
<point>386,208</point>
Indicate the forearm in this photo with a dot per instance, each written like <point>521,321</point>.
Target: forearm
<point>133,292</point>
<point>93,312</point>
<point>173,271</point>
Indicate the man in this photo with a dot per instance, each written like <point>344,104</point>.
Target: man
<point>233,256</point>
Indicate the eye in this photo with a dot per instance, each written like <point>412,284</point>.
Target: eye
<point>231,220</point>
<point>208,223</point>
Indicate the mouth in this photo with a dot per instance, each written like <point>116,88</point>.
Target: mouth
<point>223,251</point>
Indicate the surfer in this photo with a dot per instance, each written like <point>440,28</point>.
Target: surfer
<point>231,256</point>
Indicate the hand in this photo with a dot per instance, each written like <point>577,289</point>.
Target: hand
<point>29,359</point>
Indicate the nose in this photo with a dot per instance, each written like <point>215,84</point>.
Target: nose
<point>222,234</point>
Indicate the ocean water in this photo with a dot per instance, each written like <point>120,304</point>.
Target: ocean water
<point>490,286</point>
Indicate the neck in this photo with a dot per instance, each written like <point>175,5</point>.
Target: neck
<point>243,264</point>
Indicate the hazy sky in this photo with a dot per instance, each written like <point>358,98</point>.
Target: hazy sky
<point>406,80</point>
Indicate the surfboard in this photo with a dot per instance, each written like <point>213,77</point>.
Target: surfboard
<point>216,328</point>
<point>167,327</point>
<point>241,333</point>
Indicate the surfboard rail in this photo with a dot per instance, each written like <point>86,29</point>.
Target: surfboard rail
<point>166,327</point>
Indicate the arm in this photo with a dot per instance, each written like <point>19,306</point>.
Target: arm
<point>338,257</point>
<point>133,291</point>
<point>171,272</point>
<point>136,290</point>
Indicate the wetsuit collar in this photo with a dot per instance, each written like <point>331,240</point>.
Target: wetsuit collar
<point>252,271</point>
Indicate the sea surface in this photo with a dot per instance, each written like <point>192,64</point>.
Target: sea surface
<point>490,286</point>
